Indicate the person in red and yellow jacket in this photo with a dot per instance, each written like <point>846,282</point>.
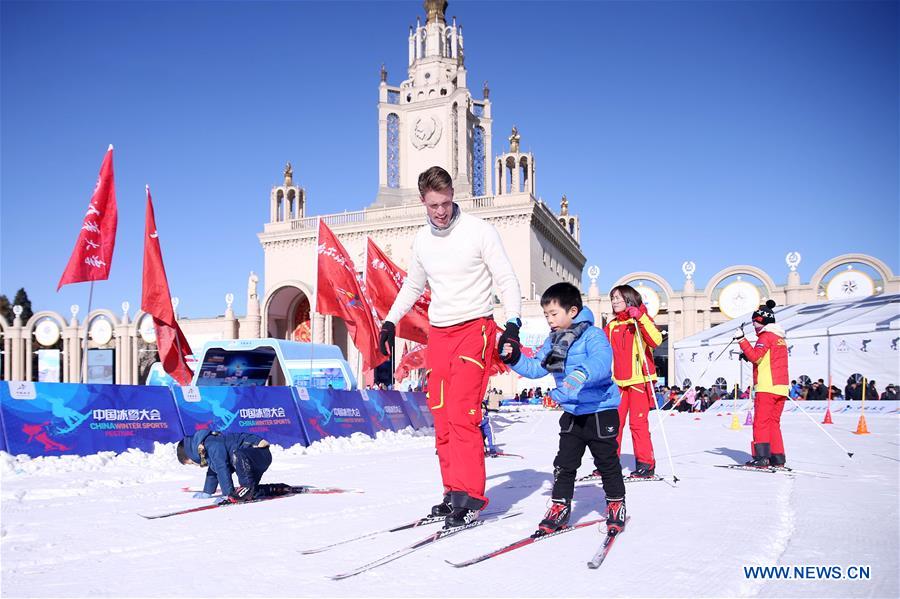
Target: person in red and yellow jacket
<point>633,372</point>
<point>771,382</point>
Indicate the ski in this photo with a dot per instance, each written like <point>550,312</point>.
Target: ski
<point>414,524</point>
<point>745,468</point>
<point>605,547</point>
<point>501,454</point>
<point>430,539</point>
<point>628,479</point>
<point>212,506</point>
<point>530,540</point>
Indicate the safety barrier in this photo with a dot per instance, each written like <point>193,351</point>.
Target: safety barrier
<point>44,419</point>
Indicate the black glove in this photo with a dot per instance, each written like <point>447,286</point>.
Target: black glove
<point>386,337</point>
<point>743,357</point>
<point>511,336</point>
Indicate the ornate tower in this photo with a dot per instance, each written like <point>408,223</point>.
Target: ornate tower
<point>431,118</point>
<point>515,169</point>
<point>288,201</point>
<point>570,222</point>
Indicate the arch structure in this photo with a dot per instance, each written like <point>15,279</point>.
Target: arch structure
<point>880,267</point>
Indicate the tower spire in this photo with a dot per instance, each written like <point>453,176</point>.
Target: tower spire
<point>434,9</point>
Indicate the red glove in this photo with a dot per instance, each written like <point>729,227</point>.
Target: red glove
<point>633,312</point>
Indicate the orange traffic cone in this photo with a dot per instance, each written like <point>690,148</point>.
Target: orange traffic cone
<point>827,419</point>
<point>861,428</point>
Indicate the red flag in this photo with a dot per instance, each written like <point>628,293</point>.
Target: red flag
<point>411,360</point>
<point>383,282</point>
<point>338,293</point>
<point>156,300</point>
<point>92,256</point>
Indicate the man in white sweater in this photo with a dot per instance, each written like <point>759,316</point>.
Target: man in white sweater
<point>461,258</point>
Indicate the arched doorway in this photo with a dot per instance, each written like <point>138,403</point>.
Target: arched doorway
<point>287,314</point>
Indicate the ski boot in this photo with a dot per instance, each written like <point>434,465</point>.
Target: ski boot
<point>615,516</point>
<point>443,509</point>
<point>241,495</point>
<point>777,460</point>
<point>465,509</point>
<point>761,454</point>
<point>642,470</point>
<point>557,517</point>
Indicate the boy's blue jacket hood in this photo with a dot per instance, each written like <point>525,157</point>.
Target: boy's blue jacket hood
<point>584,316</point>
<point>592,353</point>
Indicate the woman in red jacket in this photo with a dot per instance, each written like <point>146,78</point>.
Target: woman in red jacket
<point>634,372</point>
<point>771,381</point>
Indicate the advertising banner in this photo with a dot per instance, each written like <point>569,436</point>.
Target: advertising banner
<point>48,365</point>
<point>416,409</point>
<point>332,413</point>
<point>269,412</point>
<point>60,418</point>
<point>100,366</point>
<point>386,410</point>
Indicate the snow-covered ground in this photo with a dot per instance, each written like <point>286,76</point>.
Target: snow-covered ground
<point>70,526</point>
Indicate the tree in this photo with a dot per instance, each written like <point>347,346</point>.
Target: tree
<point>6,309</point>
<point>21,299</point>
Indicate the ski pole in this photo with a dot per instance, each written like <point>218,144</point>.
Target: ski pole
<point>637,335</point>
<point>849,453</point>
<point>716,359</point>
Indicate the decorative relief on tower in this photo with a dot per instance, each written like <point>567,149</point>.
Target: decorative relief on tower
<point>426,133</point>
<point>478,162</point>
<point>393,150</point>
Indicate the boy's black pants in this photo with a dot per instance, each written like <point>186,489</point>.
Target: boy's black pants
<point>598,433</point>
<point>250,463</point>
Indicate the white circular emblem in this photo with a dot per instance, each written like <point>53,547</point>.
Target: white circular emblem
<point>101,331</point>
<point>688,268</point>
<point>650,299</point>
<point>426,133</point>
<point>46,332</point>
<point>850,284</point>
<point>593,273</point>
<point>738,297</point>
<point>147,329</point>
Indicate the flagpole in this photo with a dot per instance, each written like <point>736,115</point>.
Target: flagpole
<point>177,342</point>
<point>84,350</point>
<point>313,302</point>
<point>365,272</point>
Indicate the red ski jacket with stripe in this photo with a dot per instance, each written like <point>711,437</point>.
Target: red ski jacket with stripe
<point>770,360</point>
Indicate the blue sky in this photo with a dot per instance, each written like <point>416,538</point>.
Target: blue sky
<point>721,132</point>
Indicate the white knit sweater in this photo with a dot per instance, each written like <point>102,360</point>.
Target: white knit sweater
<point>461,267</point>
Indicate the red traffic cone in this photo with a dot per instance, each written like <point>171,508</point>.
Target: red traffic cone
<point>827,419</point>
<point>861,428</point>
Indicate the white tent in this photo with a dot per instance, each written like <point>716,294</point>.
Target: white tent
<point>835,339</point>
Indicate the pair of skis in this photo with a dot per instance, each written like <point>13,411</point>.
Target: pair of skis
<point>538,537</point>
<point>301,490</point>
<point>427,541</point>
<point>445,533</point>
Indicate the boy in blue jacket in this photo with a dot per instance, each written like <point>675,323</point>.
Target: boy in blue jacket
<point>244,454</point>
<point>579,357</point>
